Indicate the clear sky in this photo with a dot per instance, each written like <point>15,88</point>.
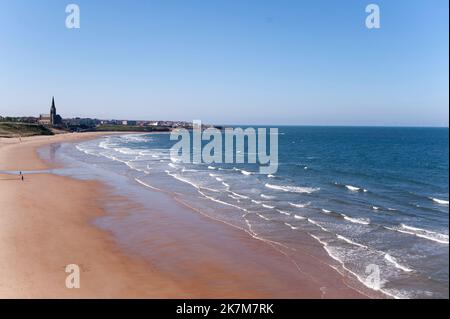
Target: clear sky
<point>228,62</point>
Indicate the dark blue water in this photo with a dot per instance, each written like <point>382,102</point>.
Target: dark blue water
<point>369,197</point>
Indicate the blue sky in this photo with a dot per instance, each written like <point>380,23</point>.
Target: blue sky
<point>227,61</point>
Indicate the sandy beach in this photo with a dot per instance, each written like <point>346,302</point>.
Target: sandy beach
<point>46,224</point>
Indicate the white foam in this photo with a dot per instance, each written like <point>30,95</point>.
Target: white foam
<point>326,211</point>
<point>317,224</point>
<point>271,176</point>
<point>439,201</point>
<point>221,202</point>
<point>299,217</point>
<point>351,241</point>
<point>267,196</point>
<point>428,234</point>
<point>84,150</point>
<point>292,189</point>
<point>210,189</point>
<point>291,226</point>
<point>299,205</point>
<point>352,188</point>
<point>284,212</point>
<point>127,151</point>
<point>135,168</point>
<point>268,206</point>
<point>325,245</point>
<point>239,195</point>
<point>135,137</point>
<point>262,216</point>
<point>364,281</point>
<point>146,185</point>
<point>393,261</point>
<point>190,183</point>
<point>362,221</point>
<point>105,145</point>
<point>211,167</point>
<point>245,172</point>
<point>422,233</point>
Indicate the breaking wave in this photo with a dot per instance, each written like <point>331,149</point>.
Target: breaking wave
<point>292,189</point>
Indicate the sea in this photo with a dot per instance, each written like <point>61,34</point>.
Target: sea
<point>374,199</point>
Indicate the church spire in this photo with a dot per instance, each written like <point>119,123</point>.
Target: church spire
<point>53,112</point>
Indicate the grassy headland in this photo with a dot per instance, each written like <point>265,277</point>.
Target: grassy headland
<point>10,129</point>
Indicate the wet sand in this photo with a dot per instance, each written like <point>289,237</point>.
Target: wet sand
<point>46,223</point>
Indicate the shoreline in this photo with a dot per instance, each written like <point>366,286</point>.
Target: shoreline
<point>234,272</point>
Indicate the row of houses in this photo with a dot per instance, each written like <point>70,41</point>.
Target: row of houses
<point>55,120</point>
<point>146,123</point>
<point>46,119</point>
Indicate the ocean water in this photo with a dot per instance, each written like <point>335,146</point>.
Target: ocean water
<point>375,200</point>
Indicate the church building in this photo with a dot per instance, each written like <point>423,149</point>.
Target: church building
<point>50,119</point>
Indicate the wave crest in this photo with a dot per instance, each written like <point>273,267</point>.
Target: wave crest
<point>292,189</point>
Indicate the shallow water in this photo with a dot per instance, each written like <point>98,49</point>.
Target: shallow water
<point>369,196</point>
